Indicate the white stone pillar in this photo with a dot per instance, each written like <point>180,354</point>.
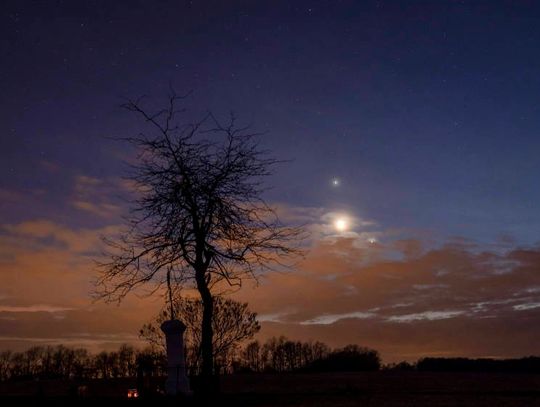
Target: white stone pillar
<point>177,380</point>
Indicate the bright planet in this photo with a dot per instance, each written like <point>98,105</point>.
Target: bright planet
<point>341,224</point>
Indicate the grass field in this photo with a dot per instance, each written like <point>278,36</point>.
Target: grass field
<point>375,389</point>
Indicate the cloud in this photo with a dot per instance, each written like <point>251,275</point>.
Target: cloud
<point>9,195</point>
<point>40,234</point>
<point>331,318</point>
<point>320,223</point>
<point>408,301</point>
<point>17,196</point>
<point>34,308</point>
<point>104,210</point>
<point>426,315</point>
<point>99,197</point>
<point>46,273</point>
<point>94,343</point>
<point>298,214</point>
<point>527,306</point>
<point>42,262</point>
<point>402,296</point>
<point>275,317</point>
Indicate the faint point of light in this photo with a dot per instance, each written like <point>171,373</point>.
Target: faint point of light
<point>372,240</point>
<point>336,182</point>
<point>341,224</point>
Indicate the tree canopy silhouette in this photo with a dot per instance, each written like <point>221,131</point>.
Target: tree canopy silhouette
<point>232,323</point>
<point>199,219</point>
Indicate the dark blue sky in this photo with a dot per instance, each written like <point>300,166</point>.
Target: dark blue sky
<point>427,111</point>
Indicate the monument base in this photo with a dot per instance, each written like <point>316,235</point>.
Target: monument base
<point>177,380</point>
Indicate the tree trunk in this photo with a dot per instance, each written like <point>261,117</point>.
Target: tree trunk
<point>207,334</point>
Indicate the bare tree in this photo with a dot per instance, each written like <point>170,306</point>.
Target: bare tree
<point>251,356</point>
<point>5,364</point>
<point>200,219</point>
<point>232,323</point>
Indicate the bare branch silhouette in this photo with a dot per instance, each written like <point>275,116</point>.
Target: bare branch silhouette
<point>199,219</point>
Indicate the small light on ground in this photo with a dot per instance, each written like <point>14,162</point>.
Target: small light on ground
<point>132,394</point>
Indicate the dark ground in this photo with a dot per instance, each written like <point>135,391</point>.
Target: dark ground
<point>330,389</point>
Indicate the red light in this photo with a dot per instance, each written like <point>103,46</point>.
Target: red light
<point>132,394</point>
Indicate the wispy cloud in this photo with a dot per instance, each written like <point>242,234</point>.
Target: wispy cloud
<point>34,308</point>
<point>274,317</point>
<point>425,316</point>
<point>331,318</point>
<point>99,197</point>
<point>92,342</point>
<point>527,306</point>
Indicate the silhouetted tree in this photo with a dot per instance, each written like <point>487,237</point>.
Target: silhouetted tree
<point>281,354</point>
<point>5,365</point>
<point>351,358</point>
<point>102,365</point>
<point>252,357</point>
<point>401,366</point>
<point>232,323</point>
<point>151,361</point>
<point>61,362</point>
<point>82,361</point>
<point>199,219</point>
<point>127,360</point>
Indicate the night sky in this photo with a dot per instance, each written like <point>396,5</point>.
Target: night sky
<point>425,112</point>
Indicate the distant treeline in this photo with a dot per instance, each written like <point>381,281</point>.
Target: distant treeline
<point>274,355</point>
<point>529,364</point>
<point>283,355</point>
<point>61,362</point>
